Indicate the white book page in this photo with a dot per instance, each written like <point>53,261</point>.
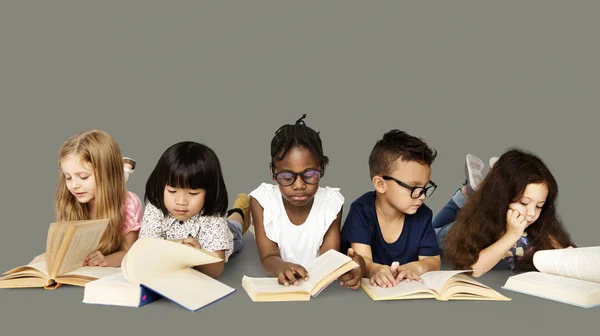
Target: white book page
<point>94,272</point>
<point>149,258</point>
<point>558,282</point>
<point>189,288</point>
<point>401,289</point>
<point>114,279</point>
<point>578,263</point>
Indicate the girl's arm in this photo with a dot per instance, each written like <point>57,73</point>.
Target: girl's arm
<point>114,259</point>
<point>215,269</point>
<point>268,251</point>
<point>491,255</point>
<point>331,239</point>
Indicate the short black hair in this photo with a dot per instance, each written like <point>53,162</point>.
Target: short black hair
<point>189,165</point>
<point>396,144</point>
<point>290,136</point>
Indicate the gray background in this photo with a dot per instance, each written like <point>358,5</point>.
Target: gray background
<point>468,77</point>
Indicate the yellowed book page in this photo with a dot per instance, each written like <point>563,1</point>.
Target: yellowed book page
<point>27,282</point>
<point>39,267</point>
<point>402,290</point>
<point>149,258</point>
<point>83,239</point>
<point>324,265</point>
<point>437,279</point>
<point>578,263</point>
<point>56,236</point>
<point>189,288</point>
<point>271,286</point>
<point>467,291</point>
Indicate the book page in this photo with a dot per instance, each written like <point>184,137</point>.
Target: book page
<point>82,239</point>
<point>403,289</point>
<point>149,258</point>
<point>189,288</point>
<point>437,279</point>
<point>271,285</point>
<point>115,279</point>
<point>324,265</point>
<point>56,235</point>
<point>554,287</point>
<point>31,269</point>
<point>112,290</point>
<point>92,272</point>
<point>462,287</point>
<point>558,282</point>
<point>578,263</point>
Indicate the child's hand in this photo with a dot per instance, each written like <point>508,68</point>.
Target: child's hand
<point>352,278</point>
<point>39,258</point>
<point>382,276</point>
<point>405,272</point>
<point>191,242</point>
<point>95,259</point>
<point>515,223</point>
<point>289,273</point>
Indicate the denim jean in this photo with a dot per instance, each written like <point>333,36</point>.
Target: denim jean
<point>444,220</point>
<point>236,228</point>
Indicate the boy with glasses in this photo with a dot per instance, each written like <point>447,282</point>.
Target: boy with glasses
<point>390,227</point>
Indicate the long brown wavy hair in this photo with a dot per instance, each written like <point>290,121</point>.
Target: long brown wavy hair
<point>100,150</point>
<point>482,220</point>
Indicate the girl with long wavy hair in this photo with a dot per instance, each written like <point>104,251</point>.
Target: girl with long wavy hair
<point>91,185</point>
<point>505,219</point>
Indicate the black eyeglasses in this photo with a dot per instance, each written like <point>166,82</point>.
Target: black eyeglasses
<point>415,192</point>
<point>309,176</point>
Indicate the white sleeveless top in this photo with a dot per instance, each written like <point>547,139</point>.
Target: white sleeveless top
<point>298,244</point>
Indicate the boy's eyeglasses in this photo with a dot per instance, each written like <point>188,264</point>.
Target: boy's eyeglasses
<point>415,192</point>
<point>309,176</point>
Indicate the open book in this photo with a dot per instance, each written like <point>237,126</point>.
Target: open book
<point>569,276</point>
<point>67,245</point>
<point>156,268</point>
<point>321,272</point>
<point>439,285</point>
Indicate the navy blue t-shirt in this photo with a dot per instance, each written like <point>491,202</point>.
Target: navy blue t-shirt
<point>362,226</point>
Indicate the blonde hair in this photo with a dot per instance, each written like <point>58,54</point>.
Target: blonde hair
<point>100,150</point>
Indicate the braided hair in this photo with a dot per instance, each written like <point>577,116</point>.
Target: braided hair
<point>298,135</point>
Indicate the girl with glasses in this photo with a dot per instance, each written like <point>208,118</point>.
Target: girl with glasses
<point>296,220</point>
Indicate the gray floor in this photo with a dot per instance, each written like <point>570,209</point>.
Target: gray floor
<point>335,311</point>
